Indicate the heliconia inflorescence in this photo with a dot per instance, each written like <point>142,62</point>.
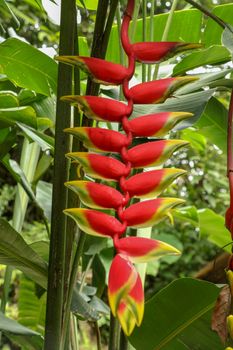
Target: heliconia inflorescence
<point>125,289</point>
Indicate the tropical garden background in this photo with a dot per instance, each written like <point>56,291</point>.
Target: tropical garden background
<point>29,86</point>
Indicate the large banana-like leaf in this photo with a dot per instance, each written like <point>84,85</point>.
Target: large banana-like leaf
<point>179,318</point>
<point>14,251</point>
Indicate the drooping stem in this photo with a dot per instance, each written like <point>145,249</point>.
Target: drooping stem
<point>229,149</point>
<point>54,312</point>
<point>166,31</point>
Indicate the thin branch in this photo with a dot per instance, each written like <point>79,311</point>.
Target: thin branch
<point>208,13</point>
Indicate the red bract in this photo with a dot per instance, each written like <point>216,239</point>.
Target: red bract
<point>157,91</point>
<point>100,139</point>
<point>125,290</point>
<point>96,223</point>
<point>101,71</point>
<point>150,183</point>
<point>141,250</point>
<point>100,166</point>
<point>153,153</point>
<point>99,108</point>
<point>122,278</point>
<point>96,195</point>
<point>157,124</point>
<point>155,52</point>
<point>148,213</point>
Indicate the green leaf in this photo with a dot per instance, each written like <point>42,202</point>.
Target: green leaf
<point>19,176</point>
<point>205,80</point>
<point>7,140</point>
<point>11,326</point>
<point>42,166</point>
<point>31,308</point>
<point>45,108</point>
<point>28,67</point>
<point>178,31</point>
<point>179,314</point>
<point>8,99</point>
<point>187,214</point>
<point>212,225</point>
<point>42,249</point>
<point>212,55</point>
<point>196,140</point>
<point>213,31</point>
<point>88,4</point>
<point>213,123</point>
<point>5,7</point>
<point>44,141</point>
<point>193,102</point>
<point>81,307</point>
<point>25,115</point>
<point>14,251</point>
<point>27,342</point>
<point>44,197</point>
<point>227,38</point>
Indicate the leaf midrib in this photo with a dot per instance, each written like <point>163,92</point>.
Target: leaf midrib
<point>31,67</point>
<point>179,329</point>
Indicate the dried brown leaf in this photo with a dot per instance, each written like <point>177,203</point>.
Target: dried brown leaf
<point>220,313</point>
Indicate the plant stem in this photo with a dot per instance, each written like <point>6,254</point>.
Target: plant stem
<point>54,311</point>
<point>144,12</point>
<point>229,149</point>
<point>152,12</point>
<point>134,20</point>
<point>98,336</point>
<point>78,253</point>
<point>114,334</point>
<point>208,13</point>
<point>166,31</point>
<point>101,37</point>
<point>123,341</point>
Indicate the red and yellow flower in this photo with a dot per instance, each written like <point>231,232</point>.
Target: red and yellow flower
<point>125,290</point>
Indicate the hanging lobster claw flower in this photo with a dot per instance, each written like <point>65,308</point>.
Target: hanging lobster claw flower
<point>148,213</point>
<point>101,71</point>
<point>95,222</point>
<point>155,52</point>
<point>130,311</point>
<point>99,166</point>
<point>142,250</point>
<point>156,125</point>
<point>157,91</point>
<point>99,108</point>
<point>122,278</point>
<point>150,184</point>
<point>100,139</point>
<point>153,153</point>
<point>96,195</point>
